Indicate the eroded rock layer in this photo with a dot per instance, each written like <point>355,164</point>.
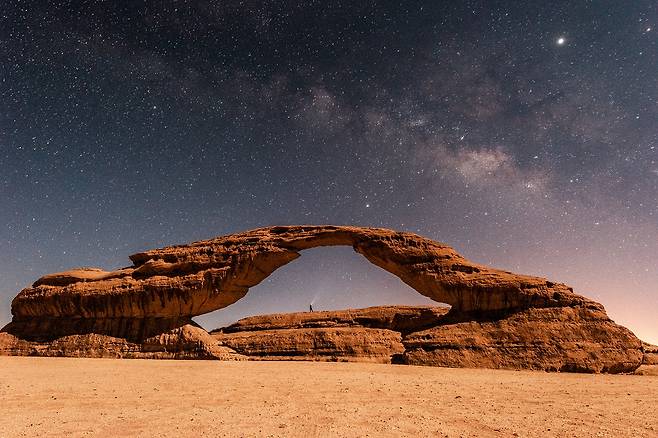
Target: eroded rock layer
<point>327,344</point>
<point>552,339</point>
<point>649,365</point>
<point>45,329</point>
<point>194,279</point>
<point>403,319</point>
<point>650,354</point>
<point>373,334</point>
<point>185,342</point>
<point>145,310</point>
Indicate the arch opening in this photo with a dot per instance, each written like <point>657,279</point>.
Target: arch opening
<point>326,277</point>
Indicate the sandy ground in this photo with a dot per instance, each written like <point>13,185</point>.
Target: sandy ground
<point>81,397</point>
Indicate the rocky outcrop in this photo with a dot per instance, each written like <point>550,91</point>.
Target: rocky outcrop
<point>146,310</point>
<point>327,344</point>
<point>650,354</point>
<point>649,365</point>
<point>373,334</point>
<point>574,339</point>
<point>552,339</point>
<point>188,280</point>
<point>403,319</point>
<point>46,328</point>
<point>186,342</point>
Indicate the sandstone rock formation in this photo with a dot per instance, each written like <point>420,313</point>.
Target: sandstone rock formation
<point>185,342</point>
<point>373,334</point>
<point>649,365</point>
<point>551,339</point>
<point>167,285</point>
<point>164,288</point>
<point>650,354</point>
<point>328,344</point>
<point>403,319</point>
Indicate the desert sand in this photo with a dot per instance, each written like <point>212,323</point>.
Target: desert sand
<point>107,397</point>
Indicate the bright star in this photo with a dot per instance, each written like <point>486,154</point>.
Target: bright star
<point>561,41</point>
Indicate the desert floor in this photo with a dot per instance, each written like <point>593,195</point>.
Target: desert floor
<point>104,397</point>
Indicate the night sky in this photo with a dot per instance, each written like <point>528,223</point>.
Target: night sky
<point>524,134</point>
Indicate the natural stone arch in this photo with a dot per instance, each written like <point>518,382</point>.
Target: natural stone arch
<point>173,284</point>
<point>498,319</point>
<point>327,278</point>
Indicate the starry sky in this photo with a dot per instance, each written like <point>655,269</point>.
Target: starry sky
<point>524,134</point>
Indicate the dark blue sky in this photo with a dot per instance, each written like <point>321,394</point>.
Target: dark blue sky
<point>524,134</point>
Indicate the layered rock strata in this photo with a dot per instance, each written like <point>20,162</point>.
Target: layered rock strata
<point>185,342</point>
<point>550,339</point>
<point>649,360</point>
<point>373,334</point>
<point>187,280</point>
<point>164,288</point>
<point>343,344</point>
<point>403,319</point>
<point>650,354</point>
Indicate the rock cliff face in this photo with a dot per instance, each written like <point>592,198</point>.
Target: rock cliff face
<point>403,319</point>
<point>551,339</point>
<point>185,342</point>
<point>373,334</point>
<point>324,344</point>
<point>157,296</point>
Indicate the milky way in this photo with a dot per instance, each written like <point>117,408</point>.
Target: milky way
<point>524,134</point>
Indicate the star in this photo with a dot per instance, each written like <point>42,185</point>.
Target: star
<point>560,41</point>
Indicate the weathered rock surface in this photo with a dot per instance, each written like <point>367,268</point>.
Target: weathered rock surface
<point>186,342</point>
<point>403,319</point>
<point>650,354</point>
<point>649,365</point>
<point>373,334</point>
<point>330,344</point>
<point>553,339</point>
<point>145,310</point>
<point>188,280</point>
<point>46,328</point>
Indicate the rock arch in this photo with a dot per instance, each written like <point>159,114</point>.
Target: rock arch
<point>145,310</point>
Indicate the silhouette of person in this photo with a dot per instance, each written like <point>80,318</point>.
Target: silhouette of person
<point>310,307</point>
